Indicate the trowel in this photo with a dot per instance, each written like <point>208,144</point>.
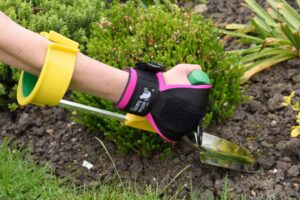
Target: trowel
<point>213,150</point>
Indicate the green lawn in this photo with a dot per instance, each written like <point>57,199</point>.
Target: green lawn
<point>21,178</point>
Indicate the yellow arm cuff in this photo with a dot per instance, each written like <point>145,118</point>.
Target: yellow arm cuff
<point>56,74</point>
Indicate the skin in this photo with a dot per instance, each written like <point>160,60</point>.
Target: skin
<point>25,50</point>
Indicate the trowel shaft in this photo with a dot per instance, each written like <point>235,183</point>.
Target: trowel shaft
<point>91,110</point>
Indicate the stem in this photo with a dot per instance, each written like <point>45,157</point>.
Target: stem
<point>111,161</point>
<point>179,173</point>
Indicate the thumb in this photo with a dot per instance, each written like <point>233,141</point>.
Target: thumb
<point>188,68</point>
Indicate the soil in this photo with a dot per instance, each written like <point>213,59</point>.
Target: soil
<point>261,124</point>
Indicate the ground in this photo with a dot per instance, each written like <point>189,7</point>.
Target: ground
<point>261,124</point>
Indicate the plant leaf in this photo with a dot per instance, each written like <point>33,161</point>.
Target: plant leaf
<point>267,52</point>
<point>262,28</point>
<point>295,107</point>
<point>235,26</point>
<point>261,12</point>
<point>279,7</point>
<point>242,35</point>
<point>295,131</point>
<point>278,42</point>
<point>297,37</point>
<point>263,64</point>
<point>246,51</point>
<point>275,14</point>
<point>287,100</point>
<point>289,34</point>
<point>288,16</point>
<point>291,10</point>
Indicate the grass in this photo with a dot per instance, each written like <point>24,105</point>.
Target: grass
<point>21,178</point>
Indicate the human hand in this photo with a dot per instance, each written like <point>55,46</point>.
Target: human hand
<point>170,103</point>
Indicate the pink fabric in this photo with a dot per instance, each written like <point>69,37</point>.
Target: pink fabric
<point>151,121</point>
<point>163,86</point>
<point>129,90</point>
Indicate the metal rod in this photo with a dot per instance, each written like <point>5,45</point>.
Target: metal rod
<point>91,110</point>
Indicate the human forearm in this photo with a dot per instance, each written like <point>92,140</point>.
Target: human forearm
<point>12,61</point>
<point>25,48</point>
<point>98,79</point>
<point>24,45</point>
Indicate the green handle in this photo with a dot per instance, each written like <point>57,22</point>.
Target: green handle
<point>198,77</point>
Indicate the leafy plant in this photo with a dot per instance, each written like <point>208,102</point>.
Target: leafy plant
<point>288,101</point>
<point>72,18</point>
<point>126,34</point>
<point>273,36</point>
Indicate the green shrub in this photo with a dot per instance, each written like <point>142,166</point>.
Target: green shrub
<point>72,18</point>
<point>6,84</point>
<point>126,34</point>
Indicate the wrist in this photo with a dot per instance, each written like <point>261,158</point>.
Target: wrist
<point>141,92</point>
<point>98,79</point>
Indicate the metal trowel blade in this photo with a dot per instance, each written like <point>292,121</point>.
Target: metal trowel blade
<point>223,153</point>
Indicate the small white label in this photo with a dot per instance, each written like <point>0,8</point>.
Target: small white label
<point>87,165</point>
<point>146,95</point>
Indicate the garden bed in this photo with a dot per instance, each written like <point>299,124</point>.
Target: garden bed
<point>261,124</point>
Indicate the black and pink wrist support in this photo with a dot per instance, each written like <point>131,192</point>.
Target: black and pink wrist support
<point>172,110</point>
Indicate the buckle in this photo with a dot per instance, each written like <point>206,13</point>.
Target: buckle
<point>151,66</point>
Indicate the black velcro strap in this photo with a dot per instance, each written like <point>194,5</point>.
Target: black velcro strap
<point>145,93</point>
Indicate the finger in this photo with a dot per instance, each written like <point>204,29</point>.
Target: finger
<point>188,68</point>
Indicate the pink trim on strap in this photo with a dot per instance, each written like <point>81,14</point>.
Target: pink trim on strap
<point>128,90</point>
<point>151,121</point>
<point>163,86</point>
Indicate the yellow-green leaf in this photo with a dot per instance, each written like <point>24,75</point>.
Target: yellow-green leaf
<point>289,34</point>
<point>241,35</point>
<point>235,26</point>
<point>261,12</point>
<point>262,65</point>
<point>295,131</point>
<point>295,106</point>
<point>287,100</point>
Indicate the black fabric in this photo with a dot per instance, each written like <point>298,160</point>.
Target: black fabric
<point>145,93</point>
<point>177,115</point>
<point>151,66</point>
<point>176,112</point>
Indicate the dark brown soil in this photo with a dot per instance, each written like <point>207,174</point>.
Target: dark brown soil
<point>261,124</point>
